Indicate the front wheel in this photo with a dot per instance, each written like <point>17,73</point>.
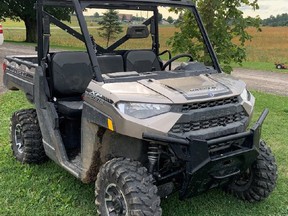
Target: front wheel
<point>124,188</point>
<point>259,180</point>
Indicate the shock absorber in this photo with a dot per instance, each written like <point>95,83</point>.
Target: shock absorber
<point>153,156</point>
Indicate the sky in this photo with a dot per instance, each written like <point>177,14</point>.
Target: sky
<point>267,8</point>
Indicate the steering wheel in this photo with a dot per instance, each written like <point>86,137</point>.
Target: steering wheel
<point>169,62</point>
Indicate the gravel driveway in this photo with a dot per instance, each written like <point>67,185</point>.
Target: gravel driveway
<point>270,82</point>
<point>275,83</point>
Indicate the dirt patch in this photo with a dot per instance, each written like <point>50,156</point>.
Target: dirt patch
<point>270,82</point>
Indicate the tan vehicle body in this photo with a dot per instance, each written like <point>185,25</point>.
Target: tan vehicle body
<point>124,119</point>
<point>167,91</point>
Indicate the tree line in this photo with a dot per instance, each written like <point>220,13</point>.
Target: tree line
<point>279,20</point>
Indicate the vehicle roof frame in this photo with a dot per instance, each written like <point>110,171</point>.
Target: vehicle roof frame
<point>125,3</point>
<point>79,5</point>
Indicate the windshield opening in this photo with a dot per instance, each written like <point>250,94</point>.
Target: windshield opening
<point>153,29</point>
<point>168,21</point>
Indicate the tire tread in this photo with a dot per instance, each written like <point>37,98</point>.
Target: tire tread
<point>137,185</point>
<point>265,177</point>
<point>32,138</point>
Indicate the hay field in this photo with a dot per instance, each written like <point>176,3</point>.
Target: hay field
<point>61,38</point>
<point>270,45</point>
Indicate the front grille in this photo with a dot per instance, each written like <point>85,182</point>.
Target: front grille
<point>194,126</point>
<point>201,105</point>
<point>225,147</point>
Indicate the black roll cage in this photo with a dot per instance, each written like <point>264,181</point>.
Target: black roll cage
<point>44,19</point>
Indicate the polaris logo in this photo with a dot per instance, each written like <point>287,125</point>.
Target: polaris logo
<point>211,94</point>
<point>210,88</point>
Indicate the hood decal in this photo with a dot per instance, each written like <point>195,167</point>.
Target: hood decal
<point>196,87</point>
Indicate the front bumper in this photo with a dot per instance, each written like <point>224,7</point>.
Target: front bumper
<point>210,163</point>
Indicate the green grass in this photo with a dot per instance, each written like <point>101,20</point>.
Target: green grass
<point>12,24</point>
<point>58,47</point>
<point>49,190</point>
<point>263,66</point>
<point>8,23</point>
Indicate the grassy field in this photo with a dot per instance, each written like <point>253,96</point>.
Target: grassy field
<point>270,45</point>
<point>266,48</point>
<point>48,190</point>
<point>262,66</point>
<point>12,24</point>
<point>61,38</point>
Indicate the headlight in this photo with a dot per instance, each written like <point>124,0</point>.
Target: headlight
<point>245,95</point>
<point>142,110</point>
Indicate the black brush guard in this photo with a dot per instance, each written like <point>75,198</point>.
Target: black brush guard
<point>210,163</point>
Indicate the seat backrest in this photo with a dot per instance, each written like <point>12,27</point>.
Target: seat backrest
<point>71,73</point>
<point>110,63</point>
<point>141,61</point>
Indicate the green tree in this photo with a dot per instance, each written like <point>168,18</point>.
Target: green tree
<point>124,18</point>
<point>23,10</point>
<point>160,17</point>
<point>96,15</point>
<point>279,20</point>
<point>224,22</point>
<point>170,20</point>
<point>110,26</point>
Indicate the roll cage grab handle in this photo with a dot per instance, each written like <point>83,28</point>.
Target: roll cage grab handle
<point>44,19</point>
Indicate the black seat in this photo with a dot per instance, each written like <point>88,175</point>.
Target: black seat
<point>141,61</point>
<point>110,63</point>
<point>71,73</point>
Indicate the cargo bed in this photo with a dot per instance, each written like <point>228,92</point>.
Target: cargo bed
<point>19,74</point>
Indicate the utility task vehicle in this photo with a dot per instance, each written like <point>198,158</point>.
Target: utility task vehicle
<point>123,118</point>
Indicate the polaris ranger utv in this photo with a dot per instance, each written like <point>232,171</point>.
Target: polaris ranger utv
<point>127,120</point>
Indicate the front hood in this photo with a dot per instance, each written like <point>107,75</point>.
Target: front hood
<point>196,87</point>
<point>134,91</point>
<point>178,90</point>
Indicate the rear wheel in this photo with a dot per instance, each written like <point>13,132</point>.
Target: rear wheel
<point>259,180</point>
<point>124,188</point>
<point>26,138</point>
<point>279,66</point>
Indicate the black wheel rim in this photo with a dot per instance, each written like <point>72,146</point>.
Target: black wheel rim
<point>18,139</point>
<point>244,179</point>
<point>115,202</point>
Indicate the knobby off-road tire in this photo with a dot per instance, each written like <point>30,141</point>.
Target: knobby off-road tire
<point>124,188</point>
<point>26,137</point>
<point>259,181</point>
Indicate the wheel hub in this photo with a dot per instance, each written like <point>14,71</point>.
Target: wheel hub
<point>18,139</point>
<point>115,201</point>
<point>244,179</point>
